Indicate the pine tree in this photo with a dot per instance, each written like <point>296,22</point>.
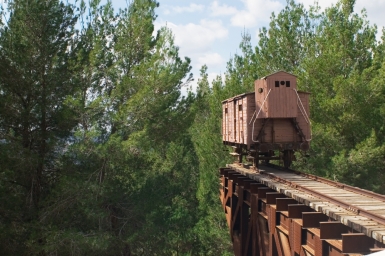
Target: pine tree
<point>211,228</point>
<point>285,43</point>
<point>132,133</point>
<point>35,80</point>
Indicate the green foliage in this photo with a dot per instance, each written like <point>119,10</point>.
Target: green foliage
<point>100,154</point>
<point>117,173</point>
<point>362,166</point>
<point>211,228</point>
<point>336,57</point>
<point>242,70</point>
<point>285,44</point>
<point>35,79</point>
<point>135,132</point>
<point>339,73</point>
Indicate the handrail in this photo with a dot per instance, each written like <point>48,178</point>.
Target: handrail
<point>307,119</point>
<point>305,115</point>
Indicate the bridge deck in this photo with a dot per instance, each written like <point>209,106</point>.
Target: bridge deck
<point>274,211</point>
<point>358,209</point>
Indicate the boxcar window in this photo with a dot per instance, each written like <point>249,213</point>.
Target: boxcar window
<point>240,107</point>
<point>226,110</point>
<point>282,82</point>
<point>276,83</point>
<point>287,83</point>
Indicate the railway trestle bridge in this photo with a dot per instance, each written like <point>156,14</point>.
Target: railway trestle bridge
<point>273,211</point>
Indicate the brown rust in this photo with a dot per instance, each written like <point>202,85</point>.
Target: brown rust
<point>273,118</point>
<point>357,210</point>
<point>263,221</point>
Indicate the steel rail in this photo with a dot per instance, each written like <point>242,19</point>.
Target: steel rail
<point>336,184</point>
<point>357,210</point>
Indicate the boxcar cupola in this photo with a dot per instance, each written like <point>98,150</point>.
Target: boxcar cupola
<point>276,96</point>
<point>282,83</point>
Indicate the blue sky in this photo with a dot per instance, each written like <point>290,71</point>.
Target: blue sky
<point>209,31</point>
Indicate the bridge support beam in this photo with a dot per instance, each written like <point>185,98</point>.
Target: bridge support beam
<point>264,222</point>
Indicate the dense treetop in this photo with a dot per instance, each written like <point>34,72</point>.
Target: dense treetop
<point>100,154</point>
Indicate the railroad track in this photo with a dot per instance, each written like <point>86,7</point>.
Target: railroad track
<point>361,211</point>
<point>365,203</point>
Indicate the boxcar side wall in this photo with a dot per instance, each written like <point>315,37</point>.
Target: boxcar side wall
<point>237,113</point>
<point>231,121</point>
<point>250,112</point>
<point>227,121</point>
<point>239,116</point>
<point>244,109</point>
<point>238,119</point>
<point>225,116</point>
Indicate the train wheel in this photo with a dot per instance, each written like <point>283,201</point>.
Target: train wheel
<point>256,158</point>
<point>287,158</point>
<point>269,154</point>
<point>238,153</point>
<point>240,157</point>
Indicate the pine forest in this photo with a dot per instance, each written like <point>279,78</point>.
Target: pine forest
<point>101,153</point>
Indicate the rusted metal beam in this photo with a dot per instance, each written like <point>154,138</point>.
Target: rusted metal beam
<point>263,190</point>
<point>263,222</point>
<point>332,230</point>
<point>283,203</point>
<point>313,219</point>
<point>356,243</point>
<point>272,196</point>
<point>296,210</point>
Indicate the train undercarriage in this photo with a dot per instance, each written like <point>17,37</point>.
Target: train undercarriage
<point>266,152</point>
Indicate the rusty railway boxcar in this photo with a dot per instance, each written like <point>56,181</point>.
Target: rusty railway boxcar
<point>237,111</point>
<point>273,118</point>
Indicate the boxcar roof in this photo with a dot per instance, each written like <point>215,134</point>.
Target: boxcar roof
<point>277,73</point>
<point>238,96</point>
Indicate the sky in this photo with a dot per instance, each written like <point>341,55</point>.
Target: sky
<point>209,31</point>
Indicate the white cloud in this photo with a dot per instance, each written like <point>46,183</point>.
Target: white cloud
<point>222,10</point>
<point>181,9</point>
<point>198,41</point>
<point>255,12</point>
<point>375,11</point>
<point>211,59</point>
<point>244,19</point>
<point>323,4</point>
<point>198,37</point>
